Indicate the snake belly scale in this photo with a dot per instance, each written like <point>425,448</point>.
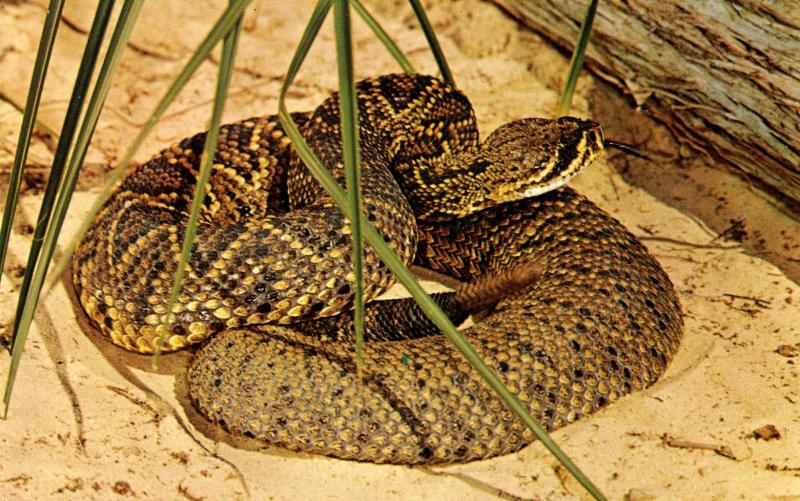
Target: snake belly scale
<point>272,262</point>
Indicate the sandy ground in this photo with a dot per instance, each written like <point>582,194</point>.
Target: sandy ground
<point>88,422</point>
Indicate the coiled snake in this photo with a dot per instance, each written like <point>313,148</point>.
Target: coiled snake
<point>600,320</point>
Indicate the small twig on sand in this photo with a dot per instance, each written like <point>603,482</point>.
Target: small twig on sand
<point>761,303</point>
<point>647,238</point>
<point>722,450</point>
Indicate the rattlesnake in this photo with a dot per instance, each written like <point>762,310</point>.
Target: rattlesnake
<point>600,320</point>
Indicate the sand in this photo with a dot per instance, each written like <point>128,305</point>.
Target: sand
<point>90,422</point>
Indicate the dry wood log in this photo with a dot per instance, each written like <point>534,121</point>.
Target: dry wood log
<point>723,75</point>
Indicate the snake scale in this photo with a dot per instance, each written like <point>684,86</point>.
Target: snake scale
<point>272,262</point>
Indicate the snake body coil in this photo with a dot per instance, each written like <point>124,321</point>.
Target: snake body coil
<point>601,319</point>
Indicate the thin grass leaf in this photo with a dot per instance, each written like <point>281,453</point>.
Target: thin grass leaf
<point>40,66</point>
<point>206,161</point>
<point>576,62</point>
<point>68,129</point>
<point>119,40</point>
<point>428,306</point>
<point>217,32</point>
<point>318,16</point>
<point>384,37</point>
<point>433,42</point>
<point>348,109</point>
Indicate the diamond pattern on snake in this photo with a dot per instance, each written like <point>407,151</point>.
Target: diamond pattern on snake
<point>266,303</point>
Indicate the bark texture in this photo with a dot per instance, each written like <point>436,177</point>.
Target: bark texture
<point>724,76</point>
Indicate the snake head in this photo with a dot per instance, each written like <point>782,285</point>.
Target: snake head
<point>535,155</point>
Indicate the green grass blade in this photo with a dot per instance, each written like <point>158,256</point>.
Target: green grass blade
<point>71,119</point>
<point>49,30</point>
<point>576,62</point>
<point>371,235</point>
<point>217,32</point>
<point>433,42</point>
<point>206,161</point>
<point>318,16</point>
<point>119,39</point>
<point>384,37</point>
<point>348,108</point>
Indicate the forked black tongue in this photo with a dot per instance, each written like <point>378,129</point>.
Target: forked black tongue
<point>626,148</point>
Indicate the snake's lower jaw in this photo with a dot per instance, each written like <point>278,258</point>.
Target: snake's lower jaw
<point>535,191</point>
<point>552,177</point>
